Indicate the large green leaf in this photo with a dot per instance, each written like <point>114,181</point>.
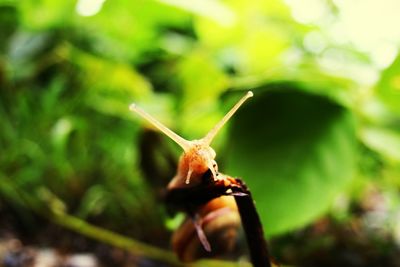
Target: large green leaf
<point>295,151</point>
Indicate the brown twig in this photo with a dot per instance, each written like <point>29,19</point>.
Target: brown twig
<point>253,228</point>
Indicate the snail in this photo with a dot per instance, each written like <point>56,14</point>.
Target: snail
<point>218,219</point>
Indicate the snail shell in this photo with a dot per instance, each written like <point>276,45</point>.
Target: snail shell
<point>220,221</point>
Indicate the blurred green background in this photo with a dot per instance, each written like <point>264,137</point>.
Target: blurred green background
<point>318,145</point>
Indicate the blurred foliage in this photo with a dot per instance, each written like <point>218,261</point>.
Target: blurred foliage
<point>321,131</point>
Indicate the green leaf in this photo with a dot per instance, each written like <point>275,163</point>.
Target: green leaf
<point>46,13</point>
<point>244,41</point>
<point>295,151</point>
<point>202,82</point>
<point>112,86</point>
<point>384,141</point>
<point>128,28</point>
<point>388,88</point>
<point>8,24</point>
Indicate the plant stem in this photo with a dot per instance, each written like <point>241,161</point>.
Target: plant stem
<point>254,232</point>
<point>135,247</point>
<point>114,239</point>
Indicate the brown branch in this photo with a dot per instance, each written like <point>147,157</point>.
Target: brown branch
<point>252,226</point>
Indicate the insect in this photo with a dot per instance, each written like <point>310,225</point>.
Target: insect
<point>197,169</point>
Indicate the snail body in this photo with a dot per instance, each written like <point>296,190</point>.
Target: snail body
<point>217,220</point>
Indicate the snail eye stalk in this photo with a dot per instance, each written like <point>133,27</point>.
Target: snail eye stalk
<point>185,144</point>
<point>213,132</point>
